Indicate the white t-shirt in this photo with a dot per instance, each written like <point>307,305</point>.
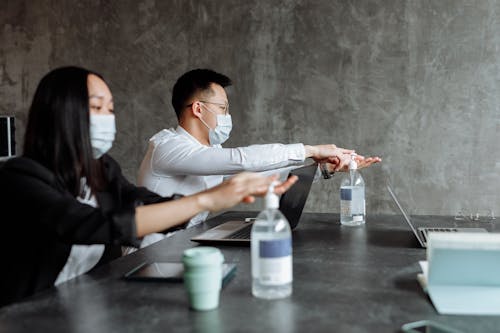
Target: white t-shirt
<point>82,258</point>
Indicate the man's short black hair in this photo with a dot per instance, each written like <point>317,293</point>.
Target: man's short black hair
<point>192,82</point>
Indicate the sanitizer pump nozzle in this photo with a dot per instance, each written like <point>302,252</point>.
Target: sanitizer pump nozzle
<point>272,199</point>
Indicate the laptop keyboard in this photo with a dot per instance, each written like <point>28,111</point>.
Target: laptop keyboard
<point>440,230</point>
<point>243,233</point>
<point>425,232</point>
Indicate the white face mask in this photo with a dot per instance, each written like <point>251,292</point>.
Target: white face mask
<point>102,133</point>
<point>220,133</point>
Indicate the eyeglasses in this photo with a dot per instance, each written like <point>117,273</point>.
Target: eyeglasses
<point>224,106</point>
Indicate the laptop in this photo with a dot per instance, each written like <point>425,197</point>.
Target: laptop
<point>292,203</point>
<point>422,233</point>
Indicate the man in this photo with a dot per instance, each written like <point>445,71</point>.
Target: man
<point>190,158</point>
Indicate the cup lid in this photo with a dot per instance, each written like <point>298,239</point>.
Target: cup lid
<point>202,255</point>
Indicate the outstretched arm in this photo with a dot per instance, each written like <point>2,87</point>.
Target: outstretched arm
<point>241,188</point>
<point>182,157</point>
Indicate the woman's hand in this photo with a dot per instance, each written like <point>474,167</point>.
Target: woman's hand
<point>241,188</point>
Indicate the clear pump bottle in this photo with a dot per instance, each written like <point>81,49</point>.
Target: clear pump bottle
<point>271,247</point>
<point>352,196</point>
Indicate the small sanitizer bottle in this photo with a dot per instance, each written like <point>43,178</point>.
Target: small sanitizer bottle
<point>271,247</point>
<point>352,196</point>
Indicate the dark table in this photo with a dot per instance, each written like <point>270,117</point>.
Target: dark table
<point>346,279</point>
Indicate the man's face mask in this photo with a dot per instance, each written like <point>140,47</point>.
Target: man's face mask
<point>220,133</point>
<point>102,133</point>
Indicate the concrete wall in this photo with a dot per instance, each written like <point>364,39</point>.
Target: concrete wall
<point>415,82</point>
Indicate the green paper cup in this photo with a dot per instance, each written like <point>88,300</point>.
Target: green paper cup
<point>203,276</point>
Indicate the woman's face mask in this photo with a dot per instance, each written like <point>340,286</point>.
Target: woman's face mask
<point>102,119</point>
<point>220,133</point>
<point>102,133</point>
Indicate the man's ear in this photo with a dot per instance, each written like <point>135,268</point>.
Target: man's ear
<point>195,109</point>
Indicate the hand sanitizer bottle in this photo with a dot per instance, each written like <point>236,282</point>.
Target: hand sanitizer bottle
<point>271,246</point>
<point>352,196</point>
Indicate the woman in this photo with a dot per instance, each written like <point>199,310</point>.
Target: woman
<point>65,198</point>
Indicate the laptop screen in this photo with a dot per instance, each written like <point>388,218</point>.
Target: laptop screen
<point>407,218</point>
<point>292,202</point>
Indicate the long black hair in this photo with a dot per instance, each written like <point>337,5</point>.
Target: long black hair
<point>57,133</point>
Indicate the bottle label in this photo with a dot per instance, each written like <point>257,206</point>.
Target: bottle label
<point>275,261</point>
<point>345,201</point>
<point>346,194</point>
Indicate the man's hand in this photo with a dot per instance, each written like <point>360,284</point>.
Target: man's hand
<point>363,162</point>
<point>339,157</point>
